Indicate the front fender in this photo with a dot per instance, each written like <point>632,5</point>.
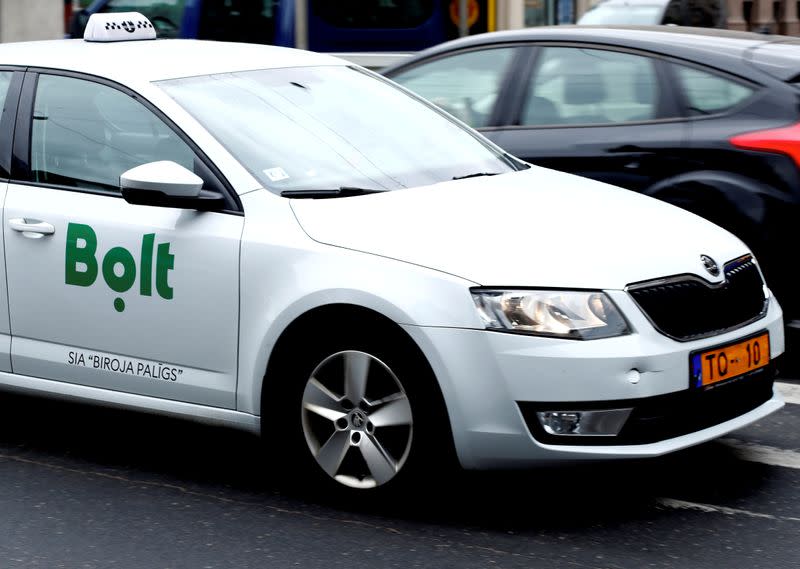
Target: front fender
<point>284,274</point>
<point>759,214</point>
<point>727,199</point>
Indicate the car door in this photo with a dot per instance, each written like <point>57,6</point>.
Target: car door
<point>9,95</point>
<point>599,113</point>
<point>103,293</point>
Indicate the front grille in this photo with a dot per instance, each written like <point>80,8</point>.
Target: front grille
<point>686,307</point>
<point>663,417</point>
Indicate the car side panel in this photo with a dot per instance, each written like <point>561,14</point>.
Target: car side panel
<point>285,274</point>
<point>632,156</point>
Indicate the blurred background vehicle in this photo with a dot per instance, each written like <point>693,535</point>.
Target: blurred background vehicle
<point>696,13</point>
<point>704,119</point>
<point>368,25</point>
<point>319,25</point>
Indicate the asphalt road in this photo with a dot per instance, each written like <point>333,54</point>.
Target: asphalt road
<point>83,487</point>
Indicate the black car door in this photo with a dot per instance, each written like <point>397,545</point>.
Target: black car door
<point>596,112</point>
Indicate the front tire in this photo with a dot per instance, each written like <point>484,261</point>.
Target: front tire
<point>366,416</point>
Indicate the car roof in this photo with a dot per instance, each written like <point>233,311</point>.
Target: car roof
<point>725,49</point>
<point>132,62</point>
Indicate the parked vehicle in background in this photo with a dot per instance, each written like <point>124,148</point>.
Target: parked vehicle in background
<point>696,13</point>
<point>704,119</point>
<point>341,26</point>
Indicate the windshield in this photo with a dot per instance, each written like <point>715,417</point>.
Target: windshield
<point>324,128</point>
<point>623,14</point>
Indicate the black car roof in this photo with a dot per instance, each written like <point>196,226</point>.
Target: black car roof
<point>777,55</point>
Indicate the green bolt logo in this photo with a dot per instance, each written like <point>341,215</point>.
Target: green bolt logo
<point>82,268</point>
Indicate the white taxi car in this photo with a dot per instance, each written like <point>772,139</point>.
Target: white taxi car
<point>283,242</point>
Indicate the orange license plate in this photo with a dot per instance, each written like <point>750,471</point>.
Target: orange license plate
<point>719,364</point>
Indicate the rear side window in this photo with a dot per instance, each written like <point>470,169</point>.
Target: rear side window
<point>590,86</point>
<point>466,85</point>
<point>707,93</point>
<point>166,15</point>
<point>85,135</point>
<point>697,13</point>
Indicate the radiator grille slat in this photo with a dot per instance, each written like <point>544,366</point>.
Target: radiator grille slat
<point>687,308</point>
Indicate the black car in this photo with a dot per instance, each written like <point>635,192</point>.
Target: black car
<point>708,120</point>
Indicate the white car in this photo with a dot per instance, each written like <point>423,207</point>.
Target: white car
<point>283,242</point>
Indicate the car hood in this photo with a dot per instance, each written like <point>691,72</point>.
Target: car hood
<point>535,228</point>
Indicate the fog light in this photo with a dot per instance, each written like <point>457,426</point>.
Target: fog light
<point>607,422</point>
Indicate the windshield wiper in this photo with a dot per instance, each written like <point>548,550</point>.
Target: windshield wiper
<point>342,192</point>
<point>475,175</point>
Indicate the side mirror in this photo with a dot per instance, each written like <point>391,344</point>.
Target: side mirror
<point>167,184</point>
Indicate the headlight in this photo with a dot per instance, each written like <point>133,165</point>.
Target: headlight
<point>580,315</point>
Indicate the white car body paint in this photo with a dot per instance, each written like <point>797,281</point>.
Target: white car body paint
<point>550,237</point>
<point>411,255</point>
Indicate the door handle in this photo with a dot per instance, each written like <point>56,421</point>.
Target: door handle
<point>31,227</point>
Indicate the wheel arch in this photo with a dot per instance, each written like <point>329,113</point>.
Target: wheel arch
<point>748,197</point>
<point>351,316</point>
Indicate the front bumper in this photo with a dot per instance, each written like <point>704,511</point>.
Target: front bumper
<point>494,382</point>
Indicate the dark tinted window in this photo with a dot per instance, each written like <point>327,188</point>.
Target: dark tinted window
<point>466,85</point>
<point>373,13</point>
<point>698,13</point>
<point>250,21</point>
<point>86,134</point>
<point>703,13</point>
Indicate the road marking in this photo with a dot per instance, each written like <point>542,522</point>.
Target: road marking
<point>789,391</point>
<point>763,454</point>
<point>708,508</point>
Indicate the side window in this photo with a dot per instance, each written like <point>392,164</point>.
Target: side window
<point>85,135</point>
<point>590,86</point>
<point>673,14</point>
<point>707,93</point>
<point>465,85</point>
<point>697,13</point>
<point>166,15</point>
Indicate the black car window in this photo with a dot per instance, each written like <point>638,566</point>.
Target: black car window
<point>707,93</point>
<point>166,15</point>
<point>86,134</point>
<point>466,84</point>
<point>590,86</point>
<point>696,13</point>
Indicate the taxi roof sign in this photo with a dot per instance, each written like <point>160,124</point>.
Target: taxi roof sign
<point>119,26</point>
